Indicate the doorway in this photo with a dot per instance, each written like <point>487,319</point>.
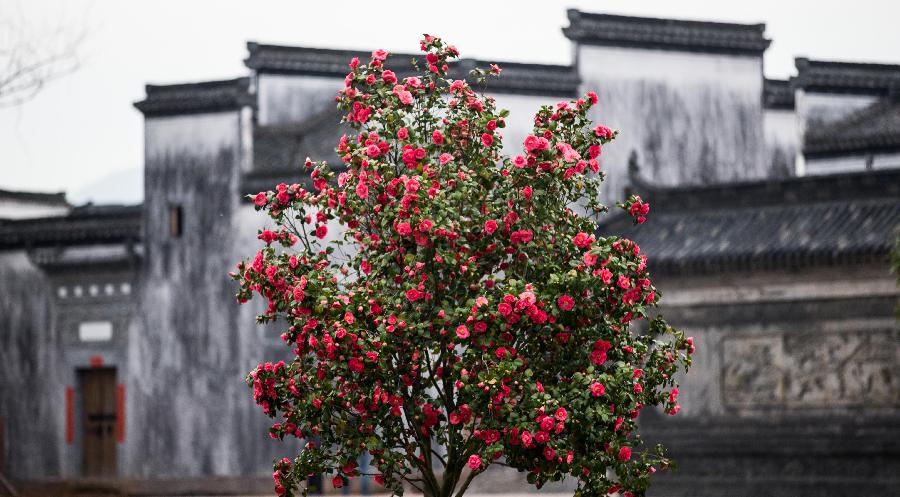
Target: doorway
<point>98,421</point>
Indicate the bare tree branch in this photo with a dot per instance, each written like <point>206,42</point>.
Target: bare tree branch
<point>33,55</point>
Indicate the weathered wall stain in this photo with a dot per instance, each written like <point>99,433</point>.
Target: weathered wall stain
<point>32,389</point>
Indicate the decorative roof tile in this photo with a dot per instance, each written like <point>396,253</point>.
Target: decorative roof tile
<point>522,78</point>
<point>875,128</point>
<point>518,78</point>
<point>83,225</point>
<point>778,94</point>
<point>813,220</point>
<point>666,34</point>
<point>37,197</point>
<point>280,59</point>
<point>195,98</point>
<point>95,256</point>
<point>849,77</point>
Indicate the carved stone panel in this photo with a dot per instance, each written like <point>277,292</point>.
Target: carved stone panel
<point>809,369</point>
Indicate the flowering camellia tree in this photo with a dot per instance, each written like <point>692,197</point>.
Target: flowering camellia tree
<point>478,319</point>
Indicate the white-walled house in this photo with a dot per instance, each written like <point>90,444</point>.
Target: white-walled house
<point>122,352</point>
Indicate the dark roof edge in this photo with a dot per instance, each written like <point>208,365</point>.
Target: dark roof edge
<point>778,94</point>
<point>886,143</point>
<point>764,262</point>
<point>666,34</point>
<point>196,98</point>
<point>82,225</point>
<point>826,76</point>
<point>879,183</point>
<point>54,198</point>
<point>518,78</point>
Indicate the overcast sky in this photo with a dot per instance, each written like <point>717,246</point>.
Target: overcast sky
<point>82,135</point>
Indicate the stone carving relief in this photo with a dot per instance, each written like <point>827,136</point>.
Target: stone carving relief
<point>857,368</point>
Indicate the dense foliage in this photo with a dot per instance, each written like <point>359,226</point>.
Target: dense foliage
<point>467,314</point>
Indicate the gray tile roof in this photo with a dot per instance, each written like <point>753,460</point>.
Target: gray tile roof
<point>778,94</point>
<point>80,257</point>
<point>850,77</point>
<point>875,128</point>
<point>768,224</point>
<point>193,98</point>
<point>83,225</point>
<point>518,78</point>
<point>666,34</point>
<point>39,197</point>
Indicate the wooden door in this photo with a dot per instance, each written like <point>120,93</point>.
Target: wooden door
<point>98,414</point>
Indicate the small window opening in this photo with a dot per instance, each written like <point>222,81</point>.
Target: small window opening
<point>176,221</point>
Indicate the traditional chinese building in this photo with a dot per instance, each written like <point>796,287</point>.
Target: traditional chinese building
<point>775,204</point>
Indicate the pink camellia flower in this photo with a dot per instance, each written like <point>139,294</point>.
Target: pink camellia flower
<point>380,54</point>
<point>521,236</point>
<point>487,139</point>
<point>547,423</point>
<point>549,453</point>
<point>569,153</point>
<point>321,231</point>
<point>425,225</point>
<point>603,132</point>
<point>534,144</point>
<point>624,454</point>
<point>474,462</point>
<point>413,295</point>
<point>437,137</point>
<point>582,240</point>
<point>565,302</point>
<point>267,236</point>
<point>445,158</point>
<point>597,389</point>
<point>490,226</point>
<point>356,365</point>
<point>606,276</point>
<point>260,199</point>
<point>404,229</point>
<point>389,77</point>
<point>638,388</point>
<point>527,192</point>
<point>462,332</point>
<point>337,481</point>
<point>504,309</point>
<point>402,133</point>
<point>562,414</point>
<point>589,259</point>
<point>362,190</point>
